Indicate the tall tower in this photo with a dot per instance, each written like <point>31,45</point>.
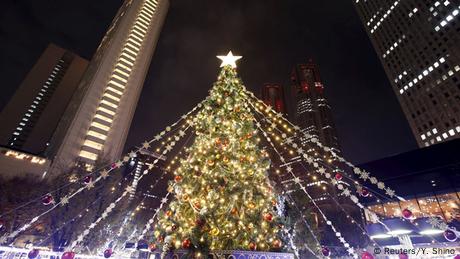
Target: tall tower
<point>309,107</point>
<point>98,119</point>
<point>273,95</point>
<point>417,43</point>
<point>30,118</point>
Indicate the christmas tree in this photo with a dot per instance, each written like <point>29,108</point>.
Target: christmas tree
<point>224,200</point>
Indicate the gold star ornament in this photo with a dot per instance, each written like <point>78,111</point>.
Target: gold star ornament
<point>229,60</point>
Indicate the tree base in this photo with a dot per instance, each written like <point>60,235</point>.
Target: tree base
<point>184,254</point>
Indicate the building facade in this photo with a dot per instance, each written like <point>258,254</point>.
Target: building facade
<point>309,108</point>
<point>98,118</point>
<point>30,118</point>
<point>273,95</point>
<point>417,43</point>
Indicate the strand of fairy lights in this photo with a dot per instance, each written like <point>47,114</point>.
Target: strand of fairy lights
<point>322,171</point>
<point>162,200</point>
<point>146,145</point>
<point>291,236</point>
<point>350,249</point>
<point>128,190</point>
<point>346,192</point>
<point>361,173</point>
<point>147,227</point>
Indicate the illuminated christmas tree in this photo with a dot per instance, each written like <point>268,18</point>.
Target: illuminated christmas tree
<point>224,200</point>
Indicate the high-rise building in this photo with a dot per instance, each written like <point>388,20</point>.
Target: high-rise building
<point>30,118</point>
<point>273,95</point>
<point>98,118</point>
<point>417,43</point>
<point>309,108</point>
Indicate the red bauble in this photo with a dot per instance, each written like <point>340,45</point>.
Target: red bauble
<point>338,176</point>
<point>407,214</point>
<point>2,224</point>
<point>367,255</point>
<point>325,251</point>
<point>177,178</point>
<point>403,256</point>
<point>252,246</point>
<point>200,222</point>
<point>152,247</point>
<point>88,179</point>
<point>33,253</point>
<point>174,227</point>
<point>268,217</point>
<point>277,244</point>
<point>114,165</point>
<point>450,235</point>
<point>68,255</point>
<point>364,192</point>
<point>186,244</point>
<point>47,199</point>
<point>108,253</point>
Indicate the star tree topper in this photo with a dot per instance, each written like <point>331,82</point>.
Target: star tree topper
<point>229,60</point>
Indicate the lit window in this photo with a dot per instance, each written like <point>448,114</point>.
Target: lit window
<point>88,155</point>
<point>109,104</point>
<point>99,116</point>
<point>100,126</point>
<point>92,144</point>
<point>102,109</point>
<point>96,134</point>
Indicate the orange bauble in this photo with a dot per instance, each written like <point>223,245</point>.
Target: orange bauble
<point>277,244</point>
<point>177,178</point>
<point>268,217</point>
<point>252,246</point>
<point>169,213</point>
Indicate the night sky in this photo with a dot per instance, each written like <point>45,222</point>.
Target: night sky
<point>271,35</point>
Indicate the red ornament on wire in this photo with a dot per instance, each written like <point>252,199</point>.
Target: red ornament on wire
<point>364,192</point>
<point>338,176</point>
<point>88,179</point>
<point>325,251</point>
<point>33,254</point>
<point>450,235</point>
<point>407,214</point>
<point>252,246</point>
<point>47,199</point>
<point>108,253</point>
<point>367,255</point>
<point>403,256</point>
<point>68,255</point>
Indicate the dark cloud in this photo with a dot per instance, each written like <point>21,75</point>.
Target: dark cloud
<point>271,35</point>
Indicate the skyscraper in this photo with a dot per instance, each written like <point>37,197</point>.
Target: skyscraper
<point>273,95</point>
<point>309,108</point>
<point>417,43</point>
<point>30,118</point>
<point>98,119</point>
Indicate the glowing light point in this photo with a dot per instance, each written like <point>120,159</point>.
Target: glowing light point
<point>229,60</point>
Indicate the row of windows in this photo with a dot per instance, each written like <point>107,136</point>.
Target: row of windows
<point>111,98</point>
<point>33,112</point>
